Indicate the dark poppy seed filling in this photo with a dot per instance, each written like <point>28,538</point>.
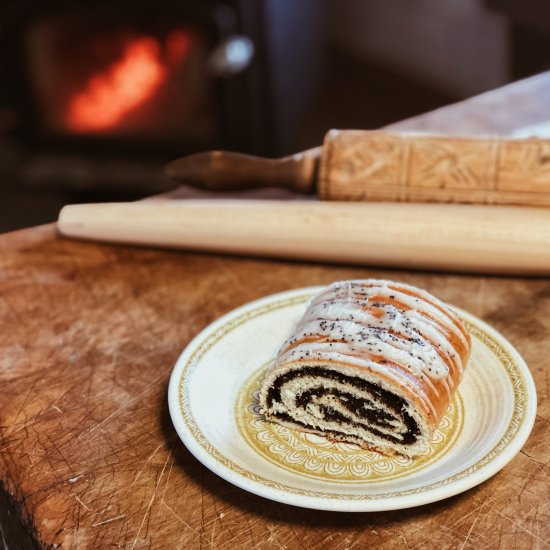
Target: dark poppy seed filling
<point>372,416</point>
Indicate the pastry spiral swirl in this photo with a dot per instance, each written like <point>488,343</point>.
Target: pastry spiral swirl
<point>371,362</point>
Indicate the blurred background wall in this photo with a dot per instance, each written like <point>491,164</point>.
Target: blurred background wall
<point>460,47</point>
<point>95,96</point>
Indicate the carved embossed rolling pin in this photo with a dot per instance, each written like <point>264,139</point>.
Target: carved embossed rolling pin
<point>355,165</point>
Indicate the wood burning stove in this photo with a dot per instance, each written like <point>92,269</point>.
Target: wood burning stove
<point>96,90</point>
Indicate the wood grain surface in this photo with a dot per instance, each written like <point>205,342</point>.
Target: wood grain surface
<point>89,335</point>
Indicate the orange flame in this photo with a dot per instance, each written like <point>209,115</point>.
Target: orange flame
<point>125,85</point>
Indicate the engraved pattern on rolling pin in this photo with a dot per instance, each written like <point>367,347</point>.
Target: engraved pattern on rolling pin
<point>525,162</point>
<point>377,166</point>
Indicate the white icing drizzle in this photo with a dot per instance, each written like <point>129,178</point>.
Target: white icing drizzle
<point>387,289</point>
<point>361,327</point>
<point>376,341</point>
<point>409,325</point>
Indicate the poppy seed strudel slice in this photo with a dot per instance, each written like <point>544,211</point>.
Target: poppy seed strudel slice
<point>371,362</point>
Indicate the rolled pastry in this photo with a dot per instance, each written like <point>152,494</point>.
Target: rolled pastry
<point>371,362</point>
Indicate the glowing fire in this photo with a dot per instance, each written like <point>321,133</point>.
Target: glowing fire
<point>129,82</point>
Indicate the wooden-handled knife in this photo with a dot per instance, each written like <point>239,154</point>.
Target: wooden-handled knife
<point>355,165</point>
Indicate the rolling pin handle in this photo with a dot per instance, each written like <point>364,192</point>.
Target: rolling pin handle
<point>227,171</point>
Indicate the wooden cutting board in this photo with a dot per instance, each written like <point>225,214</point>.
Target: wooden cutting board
<point>90,333</point>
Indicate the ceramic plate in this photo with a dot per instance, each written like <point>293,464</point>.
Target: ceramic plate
<point>213,403</point>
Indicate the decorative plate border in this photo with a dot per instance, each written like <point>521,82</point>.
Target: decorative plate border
<point>524,401</point>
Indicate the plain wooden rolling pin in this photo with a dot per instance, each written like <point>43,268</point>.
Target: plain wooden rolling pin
<point>356,165</point>
<point>489,239</point>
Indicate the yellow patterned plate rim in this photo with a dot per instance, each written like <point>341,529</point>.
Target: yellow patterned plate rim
<point>214,456</point>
